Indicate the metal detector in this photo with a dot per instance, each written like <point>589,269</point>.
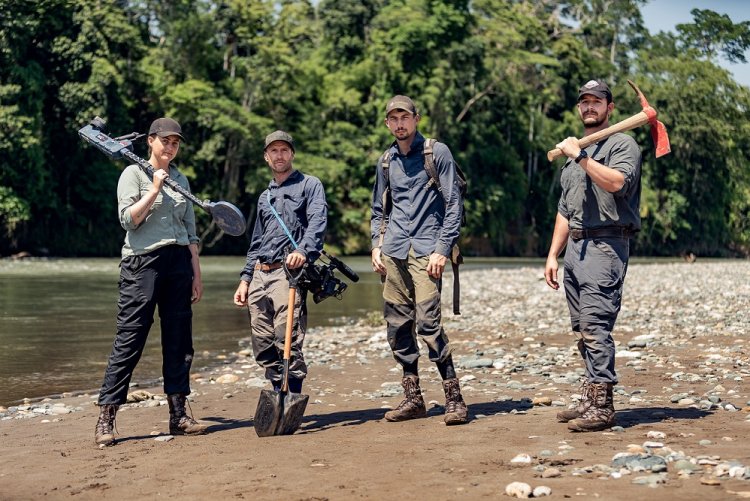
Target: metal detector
<point>226,216</point>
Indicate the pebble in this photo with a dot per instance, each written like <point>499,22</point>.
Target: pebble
<point>227,379</point>
<point>518,490</point>
<point>541,491</point>
<point>656,435</point>
<point>541,401</point>
<point>551,473</point>
<point>163,438</point>
<point>521,459</point>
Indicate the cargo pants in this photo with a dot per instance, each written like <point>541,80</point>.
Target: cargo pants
<point>412,307</point>
<point>267,304</point>
<point>160,278</point>
<point>594,275</point>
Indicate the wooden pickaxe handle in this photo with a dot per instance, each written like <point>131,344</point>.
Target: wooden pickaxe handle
<point>636,120</point>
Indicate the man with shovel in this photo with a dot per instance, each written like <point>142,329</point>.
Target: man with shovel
<point>414,228</point>
<point>291,216</point>
<point>597,213</point>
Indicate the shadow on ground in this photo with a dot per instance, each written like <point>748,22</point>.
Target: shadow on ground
<point>644,415</point>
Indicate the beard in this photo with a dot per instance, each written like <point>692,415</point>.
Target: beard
<point>401,134</point>
<point>593,120</point>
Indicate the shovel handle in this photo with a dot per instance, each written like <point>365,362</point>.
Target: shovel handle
<point>288,337</point>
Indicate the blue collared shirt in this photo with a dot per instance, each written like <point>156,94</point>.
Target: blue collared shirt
<point>421,217</point>
<point>301,203</point>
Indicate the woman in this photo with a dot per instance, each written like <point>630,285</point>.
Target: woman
<point>159,267</point>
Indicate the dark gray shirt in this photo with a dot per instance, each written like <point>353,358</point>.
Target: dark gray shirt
<point>421,217</point>
<point>587,206</point>
<point>301,203</point>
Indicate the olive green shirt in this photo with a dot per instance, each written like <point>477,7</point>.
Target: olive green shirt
<point>170,220</point>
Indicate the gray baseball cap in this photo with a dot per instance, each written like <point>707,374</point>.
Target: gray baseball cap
<point>400,103</point>
<point>279,135</point>
<point>164,127</point>
<point>596,88</point>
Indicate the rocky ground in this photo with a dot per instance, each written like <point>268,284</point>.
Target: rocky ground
<point>683,402</point>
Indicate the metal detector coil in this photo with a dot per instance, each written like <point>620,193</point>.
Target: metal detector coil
<point>226,216</point>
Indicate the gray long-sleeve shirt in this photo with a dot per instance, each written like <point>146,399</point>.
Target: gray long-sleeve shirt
<point>587,206</point>
<point>421,217</point>
<point>301,203</point>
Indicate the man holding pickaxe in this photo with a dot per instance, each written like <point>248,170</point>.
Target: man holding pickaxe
<point>597,213</point>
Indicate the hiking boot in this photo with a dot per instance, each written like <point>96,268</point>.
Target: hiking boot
<point>180,423</point>
<point>455,407</point>
<point>104,433</point>
<point>412,406</point>
<point>581,408</point>
<point>601,414</point>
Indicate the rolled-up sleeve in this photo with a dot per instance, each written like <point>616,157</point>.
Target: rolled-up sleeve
<point>189,219</point>
<point>128,193</point>
<point>626,159</point>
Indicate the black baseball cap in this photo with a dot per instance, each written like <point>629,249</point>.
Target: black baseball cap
<point>596,88</point>
<point>164,127</point>
<point>400,103</point>
<point>279,135</point>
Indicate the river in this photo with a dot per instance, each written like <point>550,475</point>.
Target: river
<point>57,319</point>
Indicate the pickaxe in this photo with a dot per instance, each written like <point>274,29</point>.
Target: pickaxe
<point>647,115</point>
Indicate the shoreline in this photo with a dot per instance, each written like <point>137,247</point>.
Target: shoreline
<point>683,409</point>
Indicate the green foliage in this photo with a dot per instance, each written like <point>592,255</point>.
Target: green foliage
<point>495,80</point>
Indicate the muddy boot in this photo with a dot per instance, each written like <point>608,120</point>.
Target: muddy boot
<point>455,407</point>
<point>581,408</point>
<point>180,423</point>
<point>601,414</point>
<point>412,406</point>
<point>104,433</point>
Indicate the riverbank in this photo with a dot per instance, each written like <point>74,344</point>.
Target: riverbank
<point>683,402</point>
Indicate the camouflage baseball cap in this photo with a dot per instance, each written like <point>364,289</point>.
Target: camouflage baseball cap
<point>596,88</point>
<point>400,103</point>
<point>164,127</point>
<point>279,135</point>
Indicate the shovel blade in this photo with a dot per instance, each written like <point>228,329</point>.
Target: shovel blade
<point>268,413</point>
<point>279,413</point>
<point>292,412</point>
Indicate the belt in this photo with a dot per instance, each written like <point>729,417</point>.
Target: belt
<point>268,267</point>
<point>605,232</point>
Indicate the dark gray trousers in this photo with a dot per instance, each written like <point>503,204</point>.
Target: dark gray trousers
<point>595,271</point>
<point>163,277</point>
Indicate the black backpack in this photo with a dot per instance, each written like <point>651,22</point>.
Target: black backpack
<point>429,165</point>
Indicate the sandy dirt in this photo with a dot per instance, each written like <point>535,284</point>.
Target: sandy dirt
<point>346,450</point>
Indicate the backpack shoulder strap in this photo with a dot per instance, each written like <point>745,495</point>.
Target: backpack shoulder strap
<point>429,163</point>
<point>385,164</point>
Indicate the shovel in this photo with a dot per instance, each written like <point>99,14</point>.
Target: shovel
<point>280,413</point>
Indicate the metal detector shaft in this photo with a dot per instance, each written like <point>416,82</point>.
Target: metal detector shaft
<point>226,216</point>
<point>149,169</point>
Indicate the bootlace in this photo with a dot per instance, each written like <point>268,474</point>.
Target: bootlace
<point>109,423</point>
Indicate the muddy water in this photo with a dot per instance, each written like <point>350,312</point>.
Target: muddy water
<point>57,320</point>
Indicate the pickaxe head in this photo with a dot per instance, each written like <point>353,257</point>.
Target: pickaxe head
<point>658,131</point>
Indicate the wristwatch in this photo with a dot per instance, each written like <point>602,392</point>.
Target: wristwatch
<point>581,156</point>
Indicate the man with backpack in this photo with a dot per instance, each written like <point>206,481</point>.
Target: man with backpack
<point>415,223</point>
